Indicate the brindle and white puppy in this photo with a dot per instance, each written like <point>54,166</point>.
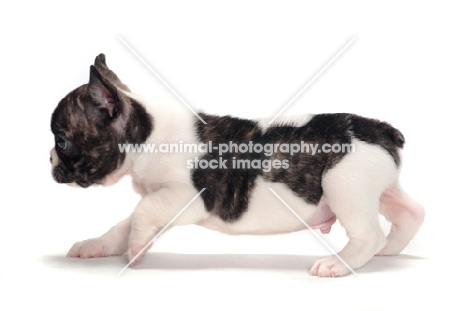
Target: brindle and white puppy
<point>353,187</point>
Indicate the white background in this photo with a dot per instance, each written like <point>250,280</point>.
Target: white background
<point>408,66</point>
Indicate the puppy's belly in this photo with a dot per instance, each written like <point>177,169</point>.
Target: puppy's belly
<point>266,214</point>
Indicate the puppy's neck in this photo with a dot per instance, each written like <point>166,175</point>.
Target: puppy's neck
<point>169,123</point>
<point>115,176</point>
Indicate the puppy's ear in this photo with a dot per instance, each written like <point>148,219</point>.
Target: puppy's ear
<point>109,75</point>
<point>100,61</point>
<point>104,93</point>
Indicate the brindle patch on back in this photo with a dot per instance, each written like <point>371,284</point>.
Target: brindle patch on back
<point>228,190</point>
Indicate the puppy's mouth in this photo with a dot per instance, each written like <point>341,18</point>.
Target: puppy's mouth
<point>63,172</point>
<point>85,184</point>
<point>60,175</point>
<point>62,178</point>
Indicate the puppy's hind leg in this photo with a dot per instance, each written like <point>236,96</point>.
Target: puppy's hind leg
<point>113,242</point>
<point>352,189</point>
<point>406,217</point>
<point>357,212</point>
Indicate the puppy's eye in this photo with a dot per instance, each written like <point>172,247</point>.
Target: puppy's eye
<point>62,143</point>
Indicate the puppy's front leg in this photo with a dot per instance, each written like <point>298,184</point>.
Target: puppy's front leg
<point>157,209</point>
<point>113,242</point>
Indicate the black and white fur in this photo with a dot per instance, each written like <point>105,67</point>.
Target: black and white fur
<point>351,187</point>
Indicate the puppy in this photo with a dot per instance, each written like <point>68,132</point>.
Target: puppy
<point>237,175</point>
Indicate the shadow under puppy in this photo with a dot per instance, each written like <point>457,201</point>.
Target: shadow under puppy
<point>96,123</point>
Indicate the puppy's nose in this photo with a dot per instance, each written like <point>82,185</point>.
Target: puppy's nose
<point>50,159</point>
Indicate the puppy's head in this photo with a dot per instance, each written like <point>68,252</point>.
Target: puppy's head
<point>88,124</point>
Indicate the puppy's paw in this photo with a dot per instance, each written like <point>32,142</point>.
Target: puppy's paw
<point>329,267</point>
<point>91,248</point>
